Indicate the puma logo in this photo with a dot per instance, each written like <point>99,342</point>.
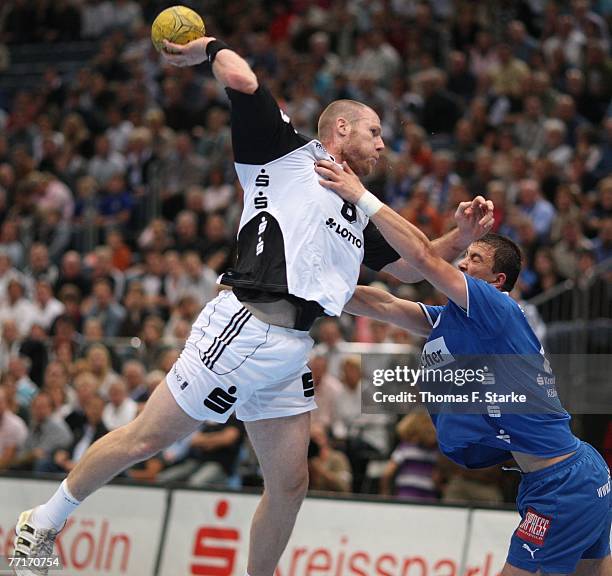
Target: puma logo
<point>532,552</point>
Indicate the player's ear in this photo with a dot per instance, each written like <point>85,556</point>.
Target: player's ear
<point>500,280</point>
<point>343,126</point>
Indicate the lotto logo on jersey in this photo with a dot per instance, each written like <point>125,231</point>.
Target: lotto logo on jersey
<point>534,527</point>
<point>343,232</point>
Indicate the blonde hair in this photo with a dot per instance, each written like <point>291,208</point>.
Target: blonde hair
<point>417,428</point>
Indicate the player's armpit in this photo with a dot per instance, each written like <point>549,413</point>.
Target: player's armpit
<point>381,305</point>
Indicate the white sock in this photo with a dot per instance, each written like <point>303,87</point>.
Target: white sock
<point>54,513</point>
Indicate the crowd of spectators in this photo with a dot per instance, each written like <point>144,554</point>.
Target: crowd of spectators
<point>119,202</point>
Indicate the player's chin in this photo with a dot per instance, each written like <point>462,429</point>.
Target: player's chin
<point>364,168</point>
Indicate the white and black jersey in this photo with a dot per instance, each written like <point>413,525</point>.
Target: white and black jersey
<point>296,238</point>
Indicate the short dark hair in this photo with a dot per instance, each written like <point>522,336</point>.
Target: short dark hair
<point>506,257</point>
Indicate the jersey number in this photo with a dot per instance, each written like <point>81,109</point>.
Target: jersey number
<point>349,212</point>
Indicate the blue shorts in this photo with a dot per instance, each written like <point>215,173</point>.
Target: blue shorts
<point>566,514</point>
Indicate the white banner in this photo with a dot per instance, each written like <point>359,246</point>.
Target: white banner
<point>115,532</point>
<point>490,540</point>
<point>208,536</point>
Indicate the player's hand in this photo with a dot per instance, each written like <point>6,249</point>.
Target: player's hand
<point>341,179</point>
<point>474,219</point>
<point>189,54</point>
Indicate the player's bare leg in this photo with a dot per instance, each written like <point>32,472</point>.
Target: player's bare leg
<point>510,570</point>
<point>599,567</point>
<point>281,446</point>
<point>160,424</point>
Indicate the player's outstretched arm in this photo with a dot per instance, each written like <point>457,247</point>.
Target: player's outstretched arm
<point>449,246</point>
<point>228,67</point>
<point>381,305</point>
<point>406,239</point>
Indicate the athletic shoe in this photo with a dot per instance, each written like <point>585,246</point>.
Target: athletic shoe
<point>32,542</point>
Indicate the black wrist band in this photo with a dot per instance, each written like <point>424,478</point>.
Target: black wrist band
<point>213,47</point>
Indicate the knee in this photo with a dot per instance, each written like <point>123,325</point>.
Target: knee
<point>289,490</point>
<point>143,443</point>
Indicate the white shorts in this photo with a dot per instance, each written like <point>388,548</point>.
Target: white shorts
<point>232,360</point>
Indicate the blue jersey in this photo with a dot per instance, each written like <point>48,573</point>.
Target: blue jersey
<point>494,325</point>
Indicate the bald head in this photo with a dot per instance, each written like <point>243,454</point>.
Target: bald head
<point>350,110</point>
<point>352,133</point>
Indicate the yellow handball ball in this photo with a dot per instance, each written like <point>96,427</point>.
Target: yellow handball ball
<point>177,24</point>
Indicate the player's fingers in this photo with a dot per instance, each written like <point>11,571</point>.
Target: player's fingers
<point>325,172</point>
<point>477,206</point>
<point>172,59</point>
<point>486,221</point>
<point>323,169</point>
<point>463,206</point>
<point>175,62</point>
<point>171,48</point>
<point>328,184</point>
<point>332,170</point>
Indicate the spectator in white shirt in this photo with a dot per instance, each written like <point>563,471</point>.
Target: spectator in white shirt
<point>330,341</point>
<point>106,163</point>
<point>133,372</point>
<point>47,307</point>
<point>365,436</point>
<point>555,147</point>
<point>198,280</point>
<point>121,409</point>
<point>99,363</point>
<point>16,307</point>
<point>539,210</point>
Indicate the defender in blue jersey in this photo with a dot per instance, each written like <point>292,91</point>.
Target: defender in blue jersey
<point>564,497</point>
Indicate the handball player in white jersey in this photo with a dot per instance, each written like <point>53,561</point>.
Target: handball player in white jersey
<point>300,248</point>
